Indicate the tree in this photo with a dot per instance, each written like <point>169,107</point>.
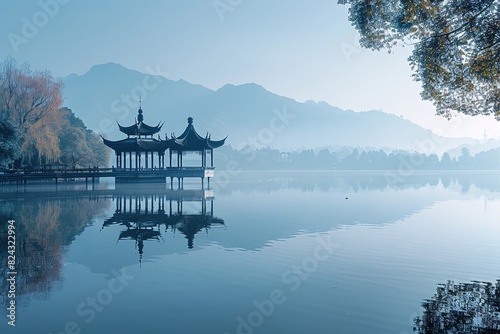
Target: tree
<point>325,160</point>
<point>351,161</point>
<point>456,47</point>
<point>100,152</point>
<point>9,148</point>
<point>432,161</point>
<point>446,161</point>
<point>79,146</point>
<point>29,100</point>
<point>465,159</point>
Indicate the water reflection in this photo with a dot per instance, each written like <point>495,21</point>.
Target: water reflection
<point>144,216</point>
<point>326,181</point>
<point>44,227</point>
<point>71,240</point>
<point>48,222</point>
<point>461,308</point>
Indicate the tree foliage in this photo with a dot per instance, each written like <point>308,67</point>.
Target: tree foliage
<point>9,148</point>
<point>44,228</point>
<point>80,146</point>
<point>29,100</point>
<point>456,47</point>
<point>34,128</point>
<point>461,308</point>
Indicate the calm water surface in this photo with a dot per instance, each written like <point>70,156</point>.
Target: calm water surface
<point>267,252</point>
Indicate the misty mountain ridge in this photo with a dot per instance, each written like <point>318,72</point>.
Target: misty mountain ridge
<point>248,113</point>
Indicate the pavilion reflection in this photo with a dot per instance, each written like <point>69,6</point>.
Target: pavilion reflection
<point>145,217</point>
<point>461,308</point>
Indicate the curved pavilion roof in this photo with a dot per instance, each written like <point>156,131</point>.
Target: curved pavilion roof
<point>137,145</point>
<point>190,140</point>
<point>140,128</point>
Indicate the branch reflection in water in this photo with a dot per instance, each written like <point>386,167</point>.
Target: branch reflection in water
<point>461,308</point>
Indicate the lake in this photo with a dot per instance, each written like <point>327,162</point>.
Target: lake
<point>261,252</point>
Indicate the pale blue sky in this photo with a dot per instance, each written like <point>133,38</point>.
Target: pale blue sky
<point>305,50</point>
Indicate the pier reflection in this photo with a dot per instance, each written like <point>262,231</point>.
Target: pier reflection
<point>48,222</point>
<point>146,217</point>
<point>461,308</point>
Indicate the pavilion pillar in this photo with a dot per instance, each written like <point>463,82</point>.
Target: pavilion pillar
<point>212,157</point>
<point>130,159</point>
<point>136,161</point>
<point>125,160</point>
<point>116,154</point>
<point>152,156</point>
<point>146,159</point>
<point>170,154</point>
<point>139,159</point>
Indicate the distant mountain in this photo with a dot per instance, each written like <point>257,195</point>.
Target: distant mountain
<point>248,114</point>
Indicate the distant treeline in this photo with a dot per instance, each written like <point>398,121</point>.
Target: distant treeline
<point>266,158</point>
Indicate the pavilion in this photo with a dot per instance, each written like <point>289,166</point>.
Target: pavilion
<point>191,141</point>
<point>139,142</point>
<point>145,215</point>
<point>146,154</point>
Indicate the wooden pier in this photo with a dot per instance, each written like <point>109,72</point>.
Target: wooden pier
<point>121,175</point>
<point>135,159</point>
